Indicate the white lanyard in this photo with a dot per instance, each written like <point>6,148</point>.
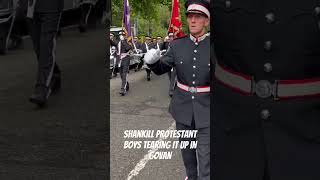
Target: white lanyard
<point>119,48</point>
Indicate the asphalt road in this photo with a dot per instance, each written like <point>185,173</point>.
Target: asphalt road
<point>145,107</point>
<point>67,140</point>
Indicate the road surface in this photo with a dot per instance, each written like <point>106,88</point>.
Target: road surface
<point>145,107</point>
<point>67,140</point>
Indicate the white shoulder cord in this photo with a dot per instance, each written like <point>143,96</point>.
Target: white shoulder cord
<point>135,48</point>
<point>119,48</point>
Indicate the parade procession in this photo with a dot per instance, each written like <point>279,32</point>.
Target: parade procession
<point>128,47</point>
<point>160,81</point>
<point>51,105</point>
<point>159,90</point>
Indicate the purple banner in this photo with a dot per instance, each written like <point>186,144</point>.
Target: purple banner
<point>126,18</point>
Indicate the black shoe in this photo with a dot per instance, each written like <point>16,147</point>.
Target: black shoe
<point>170,93</point>
<point>148,78</point>
<point>115,75</point>
<point>38,100</point>
<point>127,87</point>
<point>122,92</point>
<point>40,96</point>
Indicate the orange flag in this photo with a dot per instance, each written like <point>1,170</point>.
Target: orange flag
<point>175,26</point>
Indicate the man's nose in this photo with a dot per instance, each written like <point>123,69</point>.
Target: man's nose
<point>193,18</point>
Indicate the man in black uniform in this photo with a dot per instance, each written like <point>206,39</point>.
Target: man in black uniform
<point>167,40</point>
<point>190,104</point>
<point>136,45</point>
<point>154,42</point>
<point>124,63</point>
<point>172,73</point>
<point>147,45</point>
<point>113,47</point>
<point>266,105</point>
<point>44,23</point>
<point>159,44</point>
<point>112,39</point>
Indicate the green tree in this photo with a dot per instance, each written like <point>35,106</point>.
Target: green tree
<point>153,16</point>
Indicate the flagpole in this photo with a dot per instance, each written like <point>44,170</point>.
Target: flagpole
<point>125,6</point>
<point>171,19</point>
<point>122,24</point>
<point>172,3</point>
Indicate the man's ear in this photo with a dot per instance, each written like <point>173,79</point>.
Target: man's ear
<point>207,22</point>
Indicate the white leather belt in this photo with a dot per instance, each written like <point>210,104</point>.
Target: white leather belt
<point>198,89</point>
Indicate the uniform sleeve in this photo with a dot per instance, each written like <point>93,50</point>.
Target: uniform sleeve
<point>165,63</point>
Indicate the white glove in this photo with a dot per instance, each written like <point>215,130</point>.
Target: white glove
<point>152,56</point>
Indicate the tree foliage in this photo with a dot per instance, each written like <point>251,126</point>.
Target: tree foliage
<point>152,16</point>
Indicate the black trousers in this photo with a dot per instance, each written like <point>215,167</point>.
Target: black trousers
<point>86,9</point>
<point>196,161</point>
<point>43,30</point>
<point>140,64</point>
<point>148,72</point>
<point>123,70</point>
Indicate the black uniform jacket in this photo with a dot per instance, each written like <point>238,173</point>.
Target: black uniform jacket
<point>268,40</point>
<point>49,5</point>
<point>137,45</point>
<point>192,62</point>
<point>125,46</point>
